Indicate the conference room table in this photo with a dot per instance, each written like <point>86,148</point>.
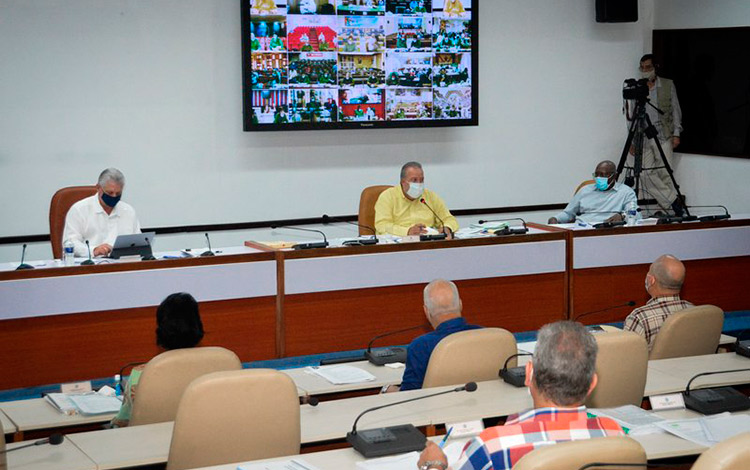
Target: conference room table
<point>266,303</point>
<point>329,421</point>
<point>64,456</point>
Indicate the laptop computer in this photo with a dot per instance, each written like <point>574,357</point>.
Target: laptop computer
<point>137,244</point>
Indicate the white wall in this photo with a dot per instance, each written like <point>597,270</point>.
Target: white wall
<point>709,179</point>
<point>154,88</point>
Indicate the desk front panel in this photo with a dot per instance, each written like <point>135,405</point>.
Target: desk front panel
<point>340,302</point>
<point>609,267</point>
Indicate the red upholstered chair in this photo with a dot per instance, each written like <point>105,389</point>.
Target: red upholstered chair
<point>58,209</point>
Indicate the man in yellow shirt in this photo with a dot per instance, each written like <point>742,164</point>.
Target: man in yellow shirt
<point>408,208</point>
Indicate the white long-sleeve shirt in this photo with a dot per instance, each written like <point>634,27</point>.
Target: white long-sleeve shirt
<point>86,220</point>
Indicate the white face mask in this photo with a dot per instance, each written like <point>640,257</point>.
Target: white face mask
<point>649,75</point>
<point>415,190</point>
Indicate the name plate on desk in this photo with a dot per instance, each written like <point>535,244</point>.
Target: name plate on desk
<point>465,428</point>
<point>671,401</point>
<point>76,387</point>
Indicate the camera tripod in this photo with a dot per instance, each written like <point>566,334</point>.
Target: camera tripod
<point>641,127</point>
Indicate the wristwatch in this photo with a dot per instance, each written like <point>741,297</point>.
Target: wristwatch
<point>434,464</point>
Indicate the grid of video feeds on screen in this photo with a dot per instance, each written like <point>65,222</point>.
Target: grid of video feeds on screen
<point>358,61</point>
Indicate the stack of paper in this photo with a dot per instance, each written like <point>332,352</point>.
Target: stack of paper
<point>637,420</point>
<point>290,464</point>
<point>708,430</point>
<point>342,374</point>
<point>86,403</point>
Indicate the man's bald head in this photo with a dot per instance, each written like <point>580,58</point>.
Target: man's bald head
<point>668,272</point>
<point>441,298</point>
<point>606,167</point>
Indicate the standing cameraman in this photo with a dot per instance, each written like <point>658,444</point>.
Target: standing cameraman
<point>662,94</point>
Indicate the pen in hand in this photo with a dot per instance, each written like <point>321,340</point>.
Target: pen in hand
<point>447,435</point>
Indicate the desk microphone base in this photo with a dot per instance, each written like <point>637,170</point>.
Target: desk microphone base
<point>387,441</point>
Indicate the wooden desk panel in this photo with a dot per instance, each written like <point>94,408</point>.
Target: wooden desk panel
<point>68,348</point>
<point>350,319</point>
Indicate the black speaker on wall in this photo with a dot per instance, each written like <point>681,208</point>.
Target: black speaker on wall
<point>616,11</point>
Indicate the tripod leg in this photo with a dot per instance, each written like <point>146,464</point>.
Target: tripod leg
<point>677,205</point>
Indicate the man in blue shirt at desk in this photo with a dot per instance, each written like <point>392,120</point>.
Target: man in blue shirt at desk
<point>442,306</point>
<point>604,201</point>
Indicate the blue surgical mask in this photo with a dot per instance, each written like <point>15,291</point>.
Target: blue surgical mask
<point>110,201</point>
<point>602,183</point>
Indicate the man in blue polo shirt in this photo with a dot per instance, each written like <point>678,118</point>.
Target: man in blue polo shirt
<point>442,306</point>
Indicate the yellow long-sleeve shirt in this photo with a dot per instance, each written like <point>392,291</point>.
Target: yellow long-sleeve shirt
<point>395,214</point>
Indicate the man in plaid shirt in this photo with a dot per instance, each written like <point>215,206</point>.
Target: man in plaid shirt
<point>560,377</point>
<point>663,283</point>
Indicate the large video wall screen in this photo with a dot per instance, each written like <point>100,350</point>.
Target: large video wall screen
<point>332,64</point>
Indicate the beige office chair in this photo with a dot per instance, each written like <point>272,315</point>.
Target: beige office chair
<point>3,460</point>
<point>694,331</point>
<point>367,201</point>
<point>583,183</point>
<point>58,210</point>
<point>470,356</point>
<point>732,454</point>
<point>235,416</point>
<point>166,376</point>
<point>572,455</point>
<point>621,365</point>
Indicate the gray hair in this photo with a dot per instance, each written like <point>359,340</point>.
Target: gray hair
<point>669,272</point>
<point>408,165</point>
<point>111,174</point>
<point>564,362</point>
<point>438,303</point>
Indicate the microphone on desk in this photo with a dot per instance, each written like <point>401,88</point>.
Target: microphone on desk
<point>360,241</point>
<point>508,230</point>
<point>708,218</point>
<point>385,356</point>
<point>23,257</point>
<point>439,236</point>
<point>89,261</point>
<point>53,439</point>
<point>305,246</point>
<point>630,303</point>
<point>393,439</point>
<point>742,347</point>
<point>150,255</point>
<point>515,376</point>
<point>209,252</point>
<point>710,401</point>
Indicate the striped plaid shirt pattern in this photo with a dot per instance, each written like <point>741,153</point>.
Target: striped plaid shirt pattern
<point>647,320</point>
<point>500,447</point>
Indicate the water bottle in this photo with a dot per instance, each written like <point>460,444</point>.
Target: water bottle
<point>631,213</point>
<point>118,387</point>
<point>68,253</point>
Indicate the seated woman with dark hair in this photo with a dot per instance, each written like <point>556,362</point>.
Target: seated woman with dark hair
<point>178,326</point>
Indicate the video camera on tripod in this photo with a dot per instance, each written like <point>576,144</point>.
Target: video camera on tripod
<point>633,89</point>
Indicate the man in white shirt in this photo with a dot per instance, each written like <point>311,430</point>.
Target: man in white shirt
<point>101,218</point>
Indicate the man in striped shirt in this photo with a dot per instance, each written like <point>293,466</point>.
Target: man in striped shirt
<point>663,283</point>
<point>560,377</point>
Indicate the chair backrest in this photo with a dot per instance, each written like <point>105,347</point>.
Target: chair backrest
<point>166,376</point>
<point>583,183</point>
<point>3,461</point>
<point>58,209</point>
<point>367,201</point>
<point>470,356</point>
<point>235,416</point>
<point>572,455</point>
<point>621,365</point>
<point>732,454</point>
<point>694,331</point>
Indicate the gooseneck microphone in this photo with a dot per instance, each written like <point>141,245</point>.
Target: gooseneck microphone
<point>89,261</point>
<point>515,376</point>
<point>305,246</point>
<point>385,356</point>
<point>210,251</point>
<point>439,236</point>
<point>53,439</point>
<point>124,368</point>
<point>710,401</point>
<point>584,314</point>
<point>23,257</point>
<point>709,218</point>
<point>360,241</point>
<point>508,230</point>
<point>394,439</point>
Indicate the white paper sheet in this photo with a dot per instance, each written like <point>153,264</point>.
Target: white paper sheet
<point>342,374</point>
<point>291,464</point>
